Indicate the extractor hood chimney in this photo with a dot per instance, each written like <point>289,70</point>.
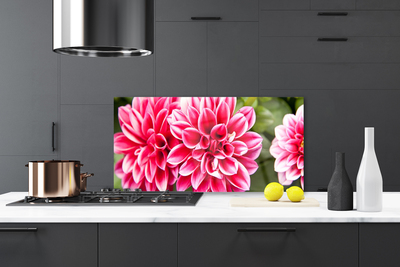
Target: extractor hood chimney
<point>103,28</point>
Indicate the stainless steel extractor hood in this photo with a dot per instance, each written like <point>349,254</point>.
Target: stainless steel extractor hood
<point>103,28</point>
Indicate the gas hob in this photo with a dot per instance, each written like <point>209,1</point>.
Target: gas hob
<point>116,197</point>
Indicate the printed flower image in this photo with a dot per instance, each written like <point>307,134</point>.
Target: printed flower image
<point>208,144</point>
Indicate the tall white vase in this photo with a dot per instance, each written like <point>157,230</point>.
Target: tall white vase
<point>369,177</point>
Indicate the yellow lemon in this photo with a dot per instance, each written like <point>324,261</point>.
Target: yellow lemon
<point>295,193</point>
<point>273,191</point>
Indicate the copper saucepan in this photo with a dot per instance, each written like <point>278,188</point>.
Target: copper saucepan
<point>56,178</point>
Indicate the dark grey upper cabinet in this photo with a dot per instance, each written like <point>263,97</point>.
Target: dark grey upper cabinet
<point>303,245</point>
<point>181,59</point>
<point>333,4</point>
<point>284,4</point>
<point>48,245</point>
<point>308,23</point>
<point>87,80</point>
<point>206,57</point>
<point>28,87</point>
<point>228,10</point>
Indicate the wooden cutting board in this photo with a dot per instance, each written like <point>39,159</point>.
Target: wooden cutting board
<point>263,202</point>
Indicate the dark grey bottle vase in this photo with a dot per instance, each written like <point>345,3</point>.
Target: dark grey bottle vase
<point>340,190</point>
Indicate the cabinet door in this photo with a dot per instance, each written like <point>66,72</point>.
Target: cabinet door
<point>267,245</point>
<point>28,75</point>
<point>232,58</point>
<point>137,245</point>
<point>181,59</point>
<point>379,244</point>
<point>48,245</point>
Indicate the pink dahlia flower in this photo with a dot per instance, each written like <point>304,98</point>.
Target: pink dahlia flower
<point>145,141</point>
<point>288,148</point>
<point>217,152</point>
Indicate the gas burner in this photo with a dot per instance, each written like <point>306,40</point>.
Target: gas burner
<point>109,196</point>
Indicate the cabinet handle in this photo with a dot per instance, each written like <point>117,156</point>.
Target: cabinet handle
<point>205,18</point>
<point>333,13</point>
<point>18,229</point>
<point>266,229</point>
<point>332,39</point>
<point>52,136</point>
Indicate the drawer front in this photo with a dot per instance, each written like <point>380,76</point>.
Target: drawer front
<point>284,4</point>
<point>309,23</point>
<point>329,76</point>
<point>309,49</point>
<point>333,4</point>
<point>48,245</point>
<point>267,245</point>
<point>378,4</point>
<point>227,10</point>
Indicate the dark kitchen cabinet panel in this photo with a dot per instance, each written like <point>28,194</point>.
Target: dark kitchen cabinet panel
<point>308,23</point>
<point>149,244</point>
<point>87,135</point>
<point>378,4</point>
<point>181,59</point>
<point>333,4</point>
<point>309,49</point>
<point>28,75</point>
<point>284,4</point>
<point>232,58</point>
<point>335,121</point>
<point>329,76</point>
<point>267,244</point>
<point>61,245</point>
<point>228,10</point>
<point>86,80</point>
<point>379,244</point>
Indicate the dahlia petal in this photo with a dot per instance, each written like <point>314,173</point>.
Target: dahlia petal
<point>143,156</point>
<point>250,165</point>
<point>228,149</point>
<point>254,152</point>
<point>118,168</point>
<point>150,170</point>
<point>219,154</point>
<point>251,139</point>
<point>198,154</point>
<point>219,132</point>
<point>137,173</point>
<point>290,132</point>
<point>147,123</point>
<point>161,121</point>
<point>161,178</point>
<point>122,144</point>
<point>193,116</point>
<point>171,140</point>
<point>293,173</point>
<point>161,159</point>
<point>231,101</point>
<point>240,148</point>
<point>275,149</point>
<point>150,186</point>
<point>300,127</point>
<point>282,179</point>
<point>300,162</point>
<point>207,121</point>
<point>280,132</point>
<point>300,113</point>
<point>123,114</point>
<point>292,159</point>
<point>183,183</point>
<point>129,160</point>
<point>207,102</point>
<point>223,113</point>
<point>178,115</point>
<point>228,166</point>
<point>218,185</point>
<point>249,114</point>
<point>130,133</point>
<point>191,137</point>
<point>178,127</point>
<point>197,178</point>
<point>290,120</point>
<point>281,162</point>
<point>178,154</point>
<point>238,124</point>
<point>241,179</point>
<point>204,186</point>
<point>160,141</point>
<point>204,142</point>
<point>204,160</point>
<point>293,145</point>
<point>189,166</point>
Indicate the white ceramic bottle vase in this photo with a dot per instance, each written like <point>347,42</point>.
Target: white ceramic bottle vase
<point>369,177</point>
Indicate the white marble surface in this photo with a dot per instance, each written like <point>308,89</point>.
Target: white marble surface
<point>212,207</point>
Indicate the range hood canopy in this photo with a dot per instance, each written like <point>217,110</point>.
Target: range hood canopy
<point>103,28</point>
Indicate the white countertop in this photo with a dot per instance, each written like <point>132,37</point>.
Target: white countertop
<point>211,208</point>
